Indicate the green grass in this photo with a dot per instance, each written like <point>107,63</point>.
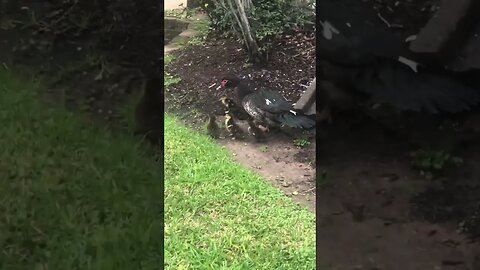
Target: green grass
<point>263,148</point>
<point>72,196</point>
<point>178,13</point>
<point>170,80</point>
<point>219,215</point>
<point>301,143</point>
<point>203,28</point>
<point>168,59</point>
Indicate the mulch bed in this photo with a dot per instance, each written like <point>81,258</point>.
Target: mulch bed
<point>290,69</point>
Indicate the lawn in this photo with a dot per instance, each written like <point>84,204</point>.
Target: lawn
<point>219,215</point>
<point>72,195</point>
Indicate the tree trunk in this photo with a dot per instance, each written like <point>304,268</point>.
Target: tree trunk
<point>237,8</point>
<point>248,36</point>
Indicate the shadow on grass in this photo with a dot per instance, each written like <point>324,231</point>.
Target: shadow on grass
<point>73,196</point>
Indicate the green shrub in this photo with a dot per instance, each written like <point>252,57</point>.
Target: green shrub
<point>267,18</point>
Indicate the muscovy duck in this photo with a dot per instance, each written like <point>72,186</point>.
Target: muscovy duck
<point>265,106</point>
<point>366,59</point>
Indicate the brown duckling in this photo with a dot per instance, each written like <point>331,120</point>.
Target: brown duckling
<point>233,129</point>
<point>227,102</point>
<point>212,127</point>
<point>231,107</point>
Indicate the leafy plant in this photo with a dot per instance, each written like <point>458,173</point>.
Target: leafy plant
<point>272,18</point>
<point>168,59</point>
<point>263,148</point>
<point>177,13</point>
<point>170,80</point>
<point>196,40</point>
<point>203,29</point>
<point>430,162</point>
<point>267,19</point>
<point>301,143</point>
<point>470,225</point>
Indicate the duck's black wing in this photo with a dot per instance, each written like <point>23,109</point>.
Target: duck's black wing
<point>272,107</point>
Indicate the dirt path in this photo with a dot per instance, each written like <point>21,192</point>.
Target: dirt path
<point>365,208</point>
<point>279,161</point>
<point>294,178</point>
<point>366,215</point>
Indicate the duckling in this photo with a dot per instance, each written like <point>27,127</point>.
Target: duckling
<point>148,112</point>
<point>227,102</point>
<point>255,131</point>
<point>233,129</point>
<point>232,108</point>
<point>212,127</point>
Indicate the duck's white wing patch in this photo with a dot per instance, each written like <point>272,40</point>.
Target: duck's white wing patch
<point>294,112</point>
<point>410,63</point>
<point>411,38</point>
<point>328,30</point>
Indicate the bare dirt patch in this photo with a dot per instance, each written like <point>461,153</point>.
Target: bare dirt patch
<point>277,163</point>
<point>369,206</point>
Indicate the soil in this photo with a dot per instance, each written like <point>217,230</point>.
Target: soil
<point>367,207</point>
<point>290,69</point>
<point>280,162</point>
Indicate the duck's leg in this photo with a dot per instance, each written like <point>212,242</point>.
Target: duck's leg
<point>266,128</point>
<point>261,125</point>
